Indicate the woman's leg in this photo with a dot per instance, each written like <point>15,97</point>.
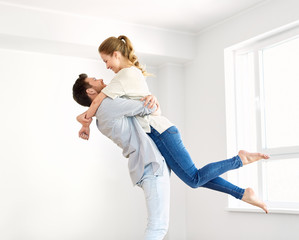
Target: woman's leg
<point>177,157</point>
<point>170,145</point>
<point>221,185</point>
<point>246,195</point>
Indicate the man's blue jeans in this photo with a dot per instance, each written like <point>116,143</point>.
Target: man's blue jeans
<point>178,159</point>
<point>157,196</point>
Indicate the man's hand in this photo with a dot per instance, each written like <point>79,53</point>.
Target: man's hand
<point>84,133</point>
<point>151,100</point>
<point>83,120</point>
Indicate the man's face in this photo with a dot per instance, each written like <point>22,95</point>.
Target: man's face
<point>97,84</point>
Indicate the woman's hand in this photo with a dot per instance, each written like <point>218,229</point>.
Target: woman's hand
<point>151,100</point>
<point>84,133</point>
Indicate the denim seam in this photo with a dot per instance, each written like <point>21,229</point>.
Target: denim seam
<point>231,190</point>
<point>234,162</point>
<point>190,176</point>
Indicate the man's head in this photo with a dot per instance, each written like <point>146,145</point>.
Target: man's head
<point>85,89</point>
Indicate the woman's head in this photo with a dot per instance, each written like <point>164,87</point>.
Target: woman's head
<point>118,53</point>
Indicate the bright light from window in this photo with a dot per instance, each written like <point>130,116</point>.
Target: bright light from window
<point>281,88</point>
<point>282,180</point>
<point>262,97</point>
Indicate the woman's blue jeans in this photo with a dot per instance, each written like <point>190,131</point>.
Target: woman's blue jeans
<point>178,159</point>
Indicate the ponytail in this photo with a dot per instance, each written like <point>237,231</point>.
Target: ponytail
<point>125,47</point>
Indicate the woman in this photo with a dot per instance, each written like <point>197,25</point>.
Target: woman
<point>118,55</point>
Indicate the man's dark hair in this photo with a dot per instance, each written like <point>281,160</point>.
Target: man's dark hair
<point>79,91</point>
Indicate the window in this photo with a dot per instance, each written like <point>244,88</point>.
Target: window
<point>262,105</point>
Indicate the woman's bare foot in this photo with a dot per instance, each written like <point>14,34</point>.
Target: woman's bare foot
<point>248,157</point>
<point>250,197</point>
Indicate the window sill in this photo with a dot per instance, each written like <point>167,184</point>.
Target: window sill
<point>271,210</point>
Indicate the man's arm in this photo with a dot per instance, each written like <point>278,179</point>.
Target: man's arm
<point>121,107</point>
<point>152,101</point>
<point>137,108</point>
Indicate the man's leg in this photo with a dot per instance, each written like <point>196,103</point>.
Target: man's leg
<point>157,195</point>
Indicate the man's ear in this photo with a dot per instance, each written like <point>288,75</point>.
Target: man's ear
<point>91,91</point>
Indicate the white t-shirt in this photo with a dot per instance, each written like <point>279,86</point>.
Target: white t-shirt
<point>130,83</point>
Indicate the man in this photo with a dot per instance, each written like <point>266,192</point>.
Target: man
<point>147,167</point>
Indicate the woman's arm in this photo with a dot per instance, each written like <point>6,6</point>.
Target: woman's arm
<point>82,119</point>
<point>84,131</point>
<point>95,105</point>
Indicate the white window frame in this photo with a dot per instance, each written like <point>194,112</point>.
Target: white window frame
<point>242,176</point>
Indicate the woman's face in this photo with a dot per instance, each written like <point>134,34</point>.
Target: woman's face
<point>112,61</point>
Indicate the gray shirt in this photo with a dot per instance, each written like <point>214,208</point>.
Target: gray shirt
<point>115,119</point>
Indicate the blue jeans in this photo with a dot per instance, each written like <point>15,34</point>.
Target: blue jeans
<point>157,196</point>
<point>178,159</point>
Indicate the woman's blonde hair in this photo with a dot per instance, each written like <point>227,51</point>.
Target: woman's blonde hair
<point>125,47</point>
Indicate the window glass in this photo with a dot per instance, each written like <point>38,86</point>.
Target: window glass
<point>263,115</point>
<point>281,94</point>
<point>282,180</point>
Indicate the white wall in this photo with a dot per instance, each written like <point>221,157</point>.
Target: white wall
<point>205,127</point>
<point>171,98</point>
<point>53,184</point>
